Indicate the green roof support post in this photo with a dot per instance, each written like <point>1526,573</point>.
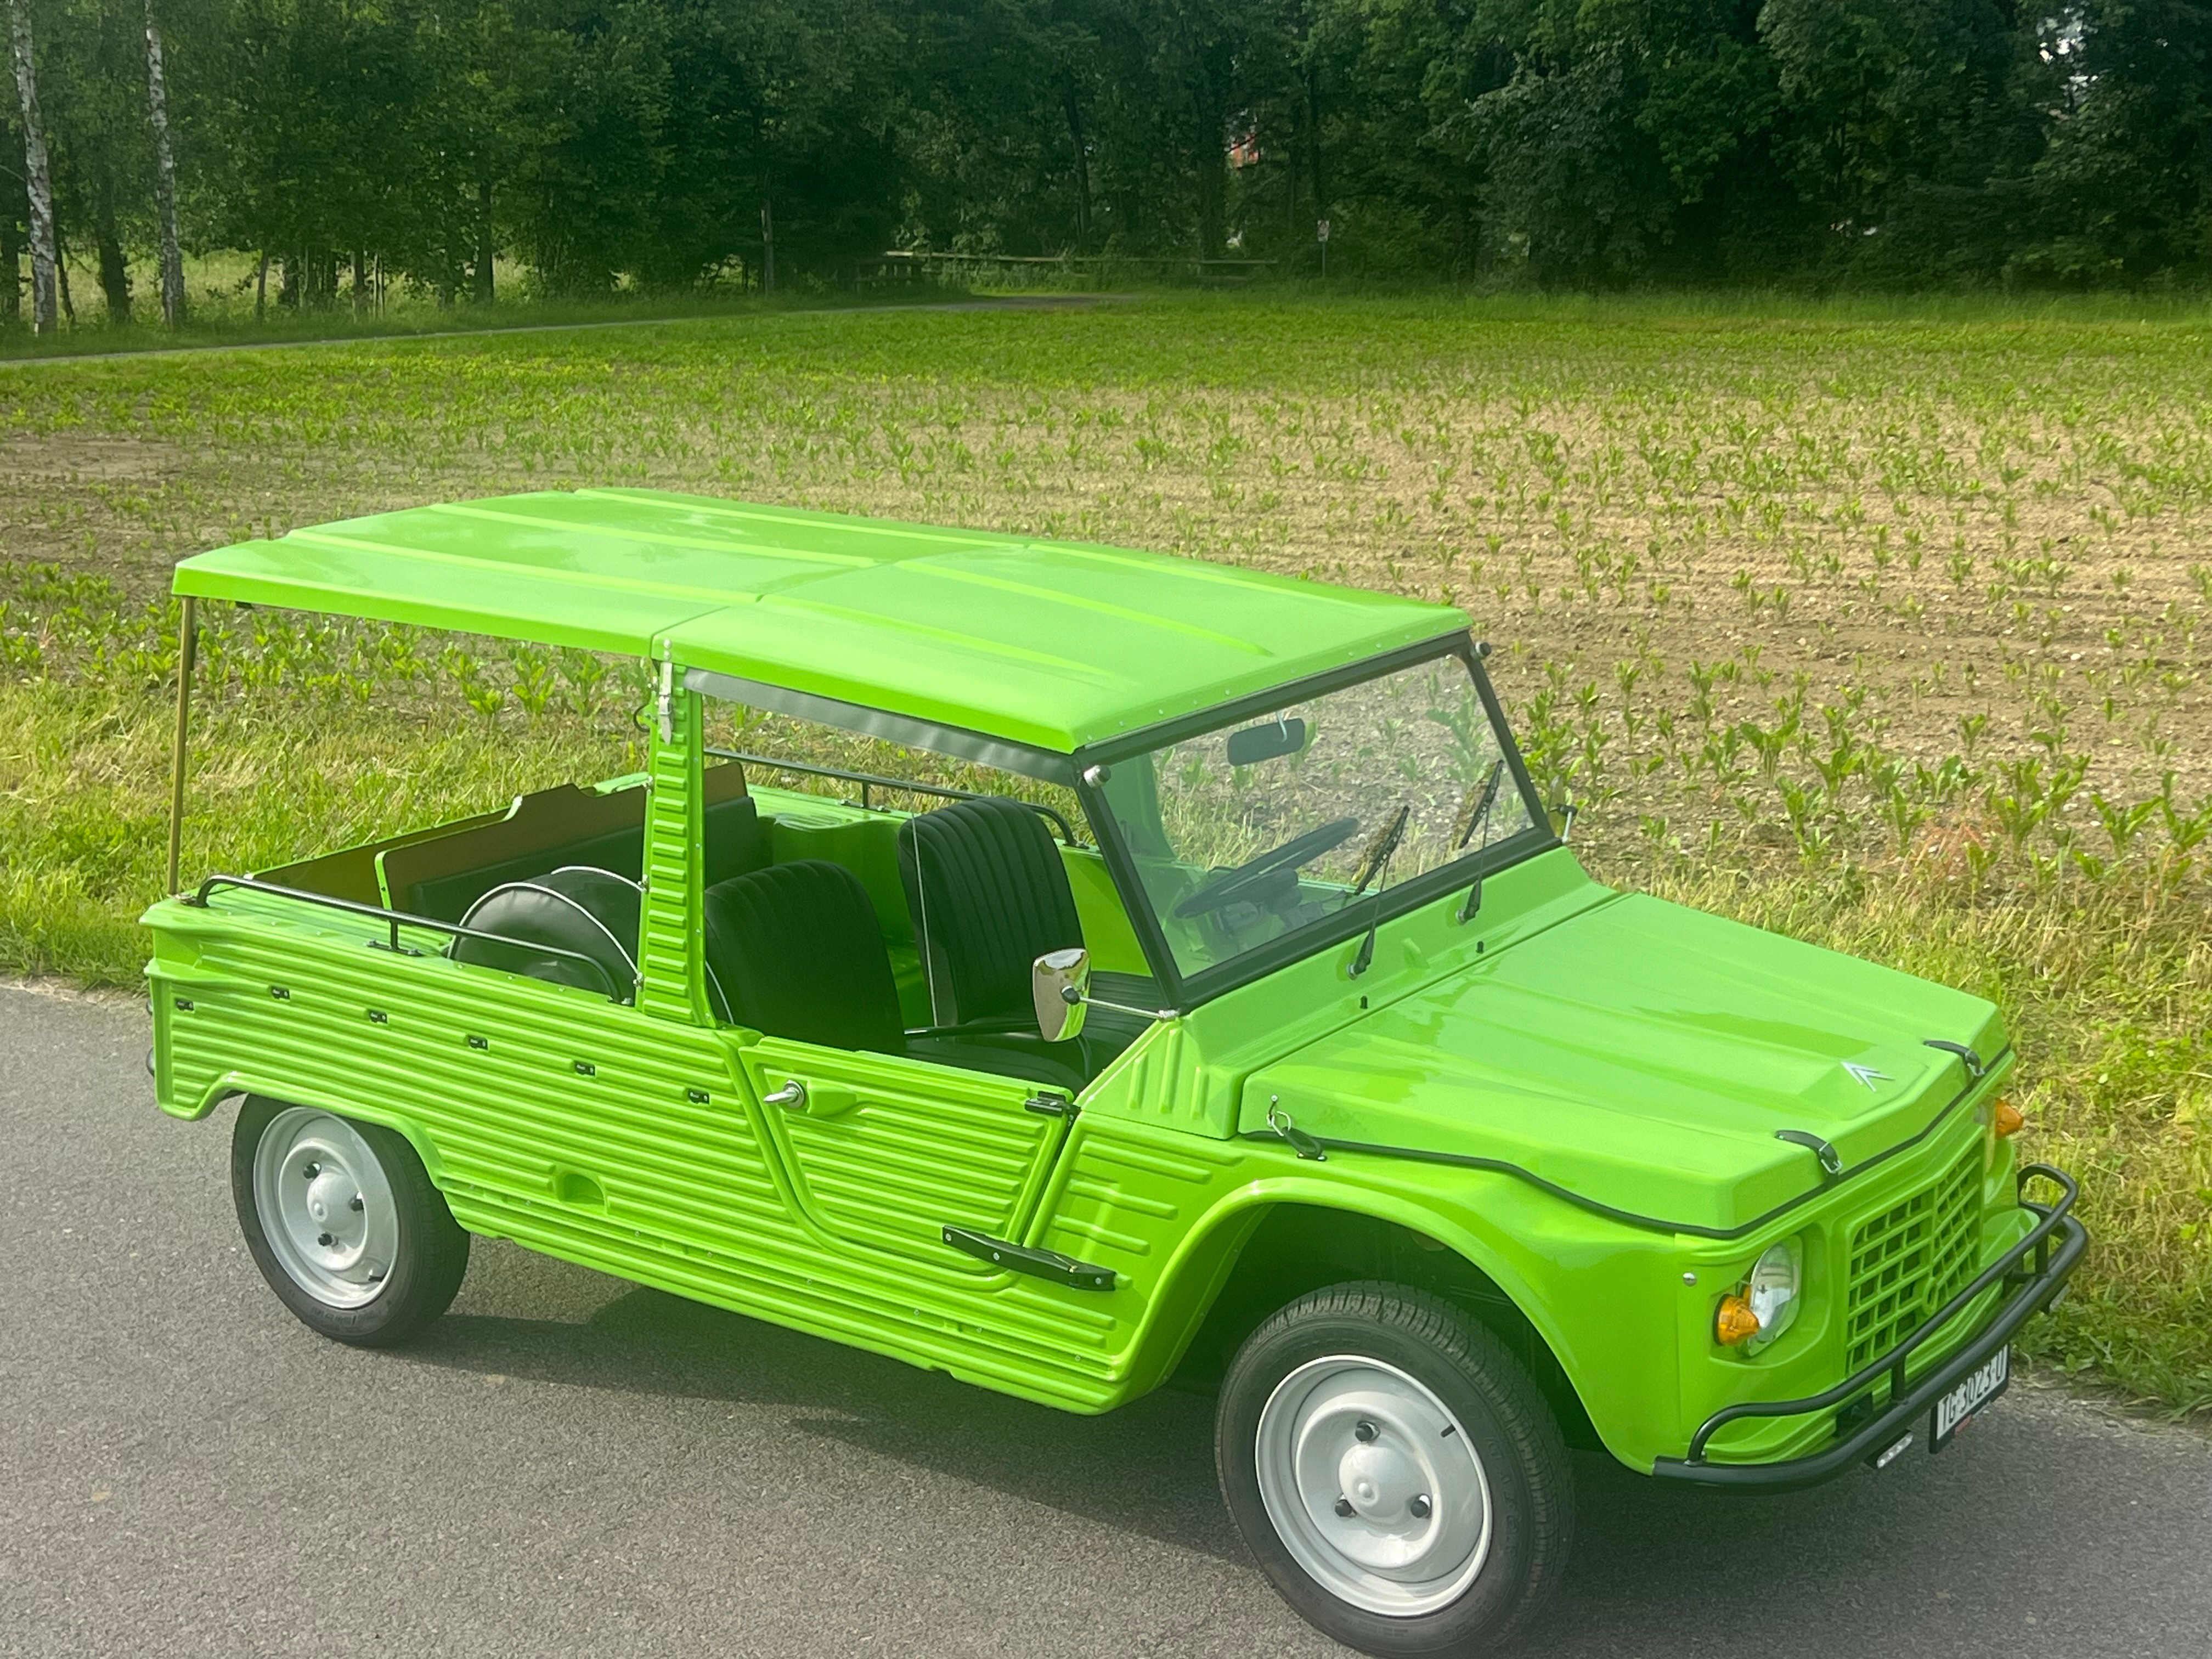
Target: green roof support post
<point>671,974</point>
<point>188,635</point>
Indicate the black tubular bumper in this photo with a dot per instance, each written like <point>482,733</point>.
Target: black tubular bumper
<point>2056,1244</point>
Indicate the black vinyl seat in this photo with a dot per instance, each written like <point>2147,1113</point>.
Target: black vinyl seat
<point>989,894</point>
<point>795,950</point>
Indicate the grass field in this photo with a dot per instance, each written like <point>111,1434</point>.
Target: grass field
<point>220,310</point>
<point>1885,626</point>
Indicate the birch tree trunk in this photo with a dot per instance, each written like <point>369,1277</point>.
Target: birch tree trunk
<point>165,176</point>
<point>36,182</point>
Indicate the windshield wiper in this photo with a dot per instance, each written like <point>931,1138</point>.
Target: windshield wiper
<point>1477,817</point>
<point>1373,864</point>
<point>1377,855</point>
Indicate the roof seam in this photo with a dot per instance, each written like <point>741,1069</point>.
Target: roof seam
<point>848,523</point>
<point>1082,601</point>
<point>845,561</point>
<point>714,598</point>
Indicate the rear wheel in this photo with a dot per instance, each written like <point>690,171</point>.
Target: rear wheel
<point>1395,1471</point>
<point>343,1222</point>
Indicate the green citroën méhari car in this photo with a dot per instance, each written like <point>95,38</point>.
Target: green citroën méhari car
<point>1261,1028</point>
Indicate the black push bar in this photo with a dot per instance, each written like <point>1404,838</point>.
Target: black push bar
<point>2057,1242</point>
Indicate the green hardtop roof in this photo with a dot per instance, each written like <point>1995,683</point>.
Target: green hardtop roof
<point>1051,644</point>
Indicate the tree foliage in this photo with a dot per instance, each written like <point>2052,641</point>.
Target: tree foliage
<point>596,143</point>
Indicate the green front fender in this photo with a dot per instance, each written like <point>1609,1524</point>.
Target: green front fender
<point>1602,1296</point>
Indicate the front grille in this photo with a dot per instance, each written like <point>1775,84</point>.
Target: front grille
<point>1912,1259</point>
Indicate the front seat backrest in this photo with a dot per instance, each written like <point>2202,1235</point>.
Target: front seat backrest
<point>989,896</point>
<point>796,951</point>
<point>733,840</point>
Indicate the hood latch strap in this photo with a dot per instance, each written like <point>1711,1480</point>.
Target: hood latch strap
<point>1301,1143</point>
<point>1831,1161</point>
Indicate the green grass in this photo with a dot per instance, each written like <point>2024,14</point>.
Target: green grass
<point>220,312</point>
<point>234,330</point>
<point>1880,623</point>
<point>2109,989</point>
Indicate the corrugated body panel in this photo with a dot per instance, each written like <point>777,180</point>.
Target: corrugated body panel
<point>668,926</point>
<point>1125,1202</point>
<point>504,1118</point>
<point>918,1147</point>
<point>898,1167</point>
<point>1165,1079</point>
<point>684,1195</point>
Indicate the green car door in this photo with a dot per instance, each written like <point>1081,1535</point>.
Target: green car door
<point>883,1152</point>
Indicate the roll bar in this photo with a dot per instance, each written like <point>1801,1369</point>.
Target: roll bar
<point>395,920</point>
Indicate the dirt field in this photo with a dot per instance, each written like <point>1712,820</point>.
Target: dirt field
<point>1983,539</point>
<point>1886,628</point>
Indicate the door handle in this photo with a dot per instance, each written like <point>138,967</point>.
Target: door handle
<point>802,1098</point>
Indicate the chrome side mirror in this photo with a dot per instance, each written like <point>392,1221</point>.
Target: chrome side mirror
<point>1059,981</point>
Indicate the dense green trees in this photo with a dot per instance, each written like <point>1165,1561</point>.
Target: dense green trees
<point>352,144</point>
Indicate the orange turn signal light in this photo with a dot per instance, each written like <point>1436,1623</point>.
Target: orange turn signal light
<point>2005,1119</point>
<point>1734,1322</point>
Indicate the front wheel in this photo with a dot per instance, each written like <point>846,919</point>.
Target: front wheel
<point>1395,1471</point>
<point>343,1222</point>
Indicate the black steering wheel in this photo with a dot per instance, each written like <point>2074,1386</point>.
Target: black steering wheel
<point>1247,879</point>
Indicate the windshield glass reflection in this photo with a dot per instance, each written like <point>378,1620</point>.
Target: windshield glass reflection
<point>1253,830</point>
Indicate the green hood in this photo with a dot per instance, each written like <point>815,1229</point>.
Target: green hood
<point>1642,1055</point>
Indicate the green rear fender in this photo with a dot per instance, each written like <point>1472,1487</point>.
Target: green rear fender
<point>244,1083</point>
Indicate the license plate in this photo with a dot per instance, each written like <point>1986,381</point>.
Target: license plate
<point>1957,1408</point>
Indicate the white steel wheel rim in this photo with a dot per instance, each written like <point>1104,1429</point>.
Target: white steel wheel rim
<point>325,1207</point>
<point>1373,1486</point>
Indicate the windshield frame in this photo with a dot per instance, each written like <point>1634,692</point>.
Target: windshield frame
<point>1184,993</point>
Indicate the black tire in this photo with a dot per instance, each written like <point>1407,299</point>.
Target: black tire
<point>1472,1375</point>
<point>430,1256</point>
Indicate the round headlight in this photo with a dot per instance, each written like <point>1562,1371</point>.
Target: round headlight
<point>1772,1289</point>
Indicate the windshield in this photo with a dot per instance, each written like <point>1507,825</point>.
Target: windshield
<point>1259,828</point>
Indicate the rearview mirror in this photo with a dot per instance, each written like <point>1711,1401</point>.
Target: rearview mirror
<point>1058,982</point>
<point>1266,740</point>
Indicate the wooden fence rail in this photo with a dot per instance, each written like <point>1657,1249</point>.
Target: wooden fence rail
<point>904,265</point>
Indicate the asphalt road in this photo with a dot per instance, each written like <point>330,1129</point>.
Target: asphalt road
<point>572,1465</point>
